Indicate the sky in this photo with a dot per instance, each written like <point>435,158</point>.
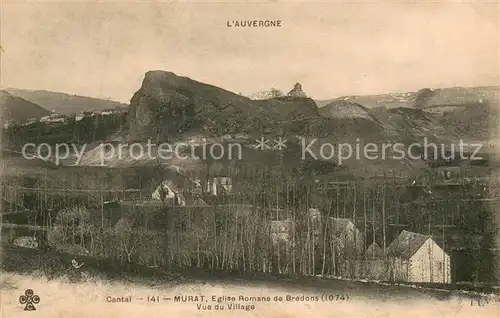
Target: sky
<point>332,49</point>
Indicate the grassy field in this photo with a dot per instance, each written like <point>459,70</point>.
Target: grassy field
<point>67,292</point>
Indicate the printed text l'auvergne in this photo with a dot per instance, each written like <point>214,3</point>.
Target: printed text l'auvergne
<point>254,24</point>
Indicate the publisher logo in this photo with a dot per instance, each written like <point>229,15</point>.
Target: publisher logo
<point>30,299</point>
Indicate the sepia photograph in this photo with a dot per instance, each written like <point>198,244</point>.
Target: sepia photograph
<point>250,159</point>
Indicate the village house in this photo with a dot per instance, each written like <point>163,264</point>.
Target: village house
<point>349,240</point>
<point>195,187</point>
<point>219,185</point>
<point>53,118</point>
<point>169,193</point>
<point>375,265</point>
<point>107,112</point>
<point>414,257</point>
<point>112,111</point>
<point>374,251</point>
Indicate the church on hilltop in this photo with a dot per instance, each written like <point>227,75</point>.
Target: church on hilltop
<point>297,91</point>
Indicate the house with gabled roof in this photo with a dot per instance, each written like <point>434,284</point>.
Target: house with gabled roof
<point>415,257</point>
<point>375,265</point>
<point>374,251</point>
<point>219,185</point>
<point>346,243</point>
<point>348,238</point>
<point>168,192</point>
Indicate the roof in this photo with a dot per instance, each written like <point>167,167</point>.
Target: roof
<point>406,244</point>
<point>339,224</point>
<point>374,251</point>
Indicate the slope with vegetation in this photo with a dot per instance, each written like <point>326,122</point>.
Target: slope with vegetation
<point>65,104</point>
<point>18,110</point>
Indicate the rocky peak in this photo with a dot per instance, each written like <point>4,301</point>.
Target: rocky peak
<point>297,91</point>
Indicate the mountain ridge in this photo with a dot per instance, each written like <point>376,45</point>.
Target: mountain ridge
<point>19,110</point>
<point>425,97</point>
<point>64,103</point>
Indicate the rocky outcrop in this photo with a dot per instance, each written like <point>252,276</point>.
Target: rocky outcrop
<point>167,105</point>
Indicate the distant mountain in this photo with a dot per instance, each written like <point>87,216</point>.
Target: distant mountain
<point>62,103</point>
<point>19,110</point>
<point>435,100</point>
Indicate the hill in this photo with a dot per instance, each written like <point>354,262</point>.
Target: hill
<point>179,110</point>
<point>19,110</point>
<point>62,103</point>
<point>168,105</point>
<point>325,102</point>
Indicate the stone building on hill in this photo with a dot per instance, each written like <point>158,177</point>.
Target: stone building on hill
<point>297,91</point>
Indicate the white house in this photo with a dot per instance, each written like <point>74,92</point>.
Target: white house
<point>219,185</point>
<point>167,191</point>
<point>53,118</point>
<point>107,112</point>
<point>111,111</point>
<point>414,257</point>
